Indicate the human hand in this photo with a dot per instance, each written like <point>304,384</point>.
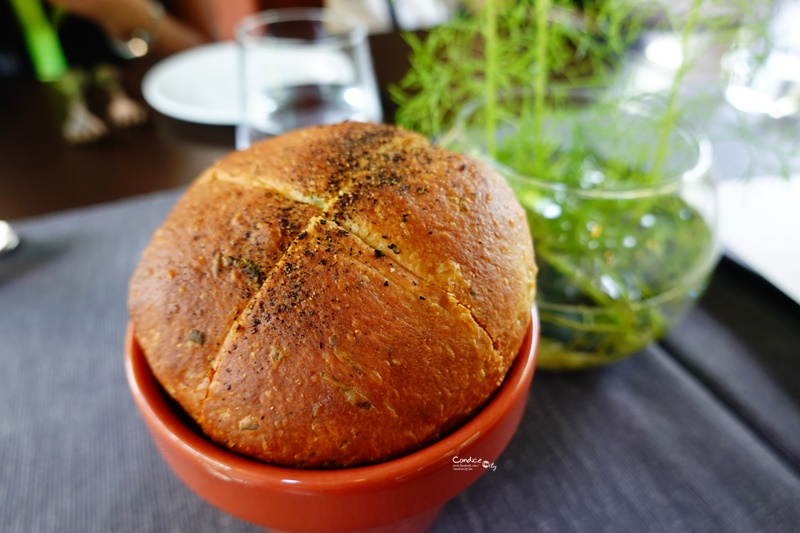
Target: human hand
<point>117,17</point>
<point>120,18</point>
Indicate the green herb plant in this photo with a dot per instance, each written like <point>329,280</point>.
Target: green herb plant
<point>622,245</point>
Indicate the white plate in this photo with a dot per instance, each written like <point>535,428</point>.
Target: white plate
<point>198,85</point>
<point>202,84</point>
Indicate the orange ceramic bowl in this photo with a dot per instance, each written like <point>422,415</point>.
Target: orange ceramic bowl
<point>403,494</point>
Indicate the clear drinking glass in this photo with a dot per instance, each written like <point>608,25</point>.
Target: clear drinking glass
<point>301,67</point>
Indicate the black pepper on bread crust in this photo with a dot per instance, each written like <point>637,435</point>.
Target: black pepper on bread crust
<point>336,296</point>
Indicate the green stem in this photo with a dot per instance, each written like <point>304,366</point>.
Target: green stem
<point>41,39</point>
<point>541,74</point>
<point>491,74</point>
<point>567,270</point>
<point>671,112</point>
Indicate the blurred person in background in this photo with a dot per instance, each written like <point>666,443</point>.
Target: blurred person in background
<point>77,44</point>
<point>72,45</point>
<point>93,31</point>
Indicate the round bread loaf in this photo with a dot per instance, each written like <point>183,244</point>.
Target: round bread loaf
<point>336,296</point>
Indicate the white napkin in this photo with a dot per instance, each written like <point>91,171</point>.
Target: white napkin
<point>760,226</point>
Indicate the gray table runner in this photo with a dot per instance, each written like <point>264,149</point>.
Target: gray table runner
<point>700,433</point>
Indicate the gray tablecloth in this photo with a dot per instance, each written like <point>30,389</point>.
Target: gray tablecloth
<point>699,433</point>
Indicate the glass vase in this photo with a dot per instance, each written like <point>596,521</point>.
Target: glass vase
<point>621,206</point>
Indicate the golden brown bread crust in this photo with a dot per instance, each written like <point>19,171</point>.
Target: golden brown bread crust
<point>336,296</point>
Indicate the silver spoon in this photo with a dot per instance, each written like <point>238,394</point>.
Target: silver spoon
<point>8,237</point>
